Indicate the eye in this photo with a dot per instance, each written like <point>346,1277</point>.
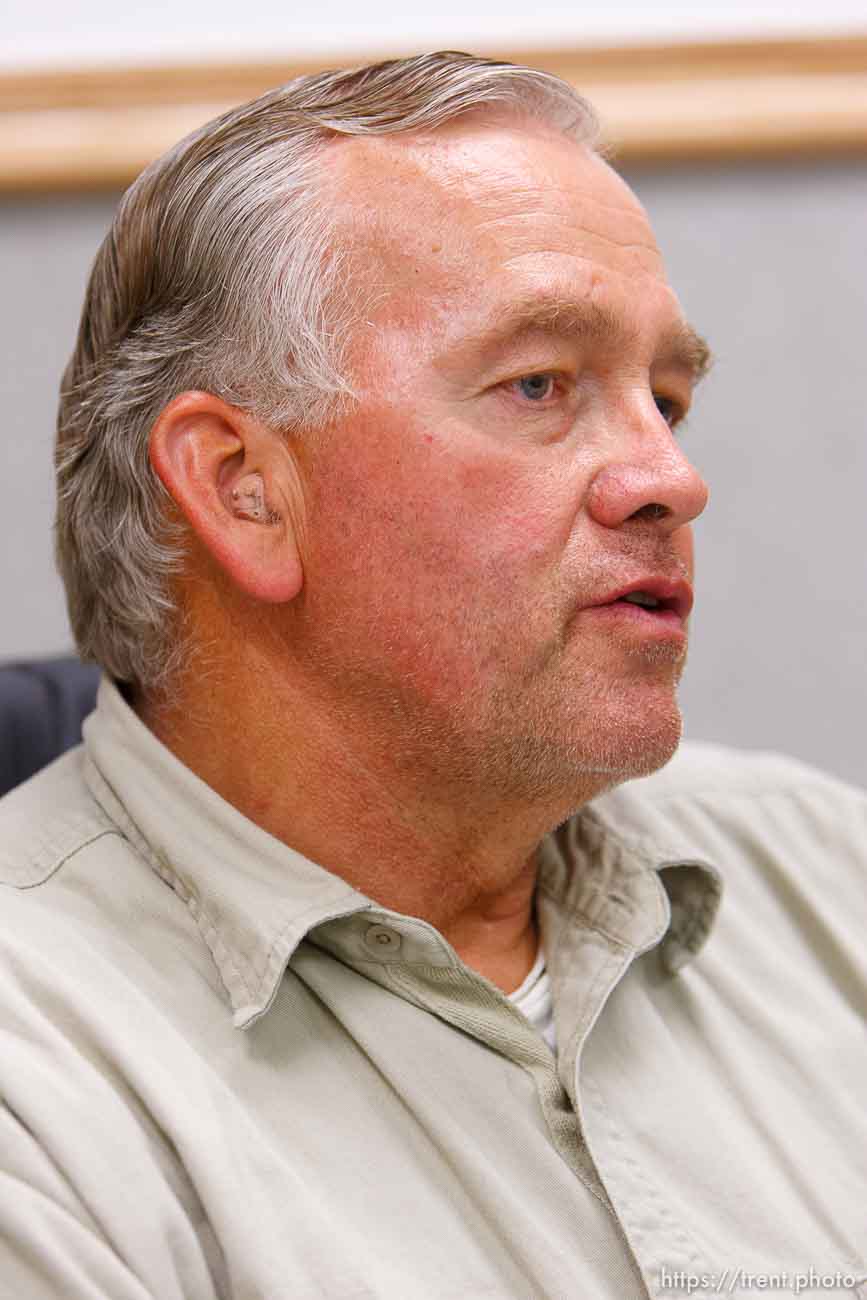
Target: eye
<point>670,410</point>
<point>535,388</point>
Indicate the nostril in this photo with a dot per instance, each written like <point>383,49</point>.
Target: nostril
<point>652,511</point>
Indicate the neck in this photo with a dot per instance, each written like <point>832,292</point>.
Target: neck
<point>463,863</point>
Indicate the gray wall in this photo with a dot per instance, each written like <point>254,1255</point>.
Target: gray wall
<point>46,246</point>
<point>770,263</point>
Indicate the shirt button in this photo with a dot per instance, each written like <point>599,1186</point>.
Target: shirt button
<point>381,940</point>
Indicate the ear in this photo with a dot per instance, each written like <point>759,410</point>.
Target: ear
<point>236,482</point>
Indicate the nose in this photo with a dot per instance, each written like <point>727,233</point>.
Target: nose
<point>651,480</point>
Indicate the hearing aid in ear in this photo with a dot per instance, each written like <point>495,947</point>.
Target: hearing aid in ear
<point>248,499</point>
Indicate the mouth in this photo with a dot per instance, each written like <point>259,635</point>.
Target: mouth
<point>650,603</point>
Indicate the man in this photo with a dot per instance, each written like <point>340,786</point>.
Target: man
<point>324,975</point>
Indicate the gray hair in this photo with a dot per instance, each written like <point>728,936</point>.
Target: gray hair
<point>221,272</point>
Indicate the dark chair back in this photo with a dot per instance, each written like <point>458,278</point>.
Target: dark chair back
<point>42,706</point>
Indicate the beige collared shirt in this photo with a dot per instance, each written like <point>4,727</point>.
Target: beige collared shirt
<point>227,1073</point>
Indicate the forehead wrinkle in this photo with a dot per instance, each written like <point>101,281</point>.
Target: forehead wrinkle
<point>589,233</point>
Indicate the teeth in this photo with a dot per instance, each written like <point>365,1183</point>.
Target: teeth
<point>641,598</point>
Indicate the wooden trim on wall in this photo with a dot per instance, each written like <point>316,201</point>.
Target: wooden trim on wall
<point>97,128</point>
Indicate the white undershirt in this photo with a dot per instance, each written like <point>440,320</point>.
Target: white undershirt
<point>533,999</point>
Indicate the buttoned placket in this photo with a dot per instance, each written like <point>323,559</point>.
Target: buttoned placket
<point>413,960</point>
<point>590,945</point>
<point>656,1241</point>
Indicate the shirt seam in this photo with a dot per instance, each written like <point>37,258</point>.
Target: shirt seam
<point>222,953</point>
<point>158,863</point>
<point>62,861</point>
<point>206,926</point>
<point>654,853</point>
<point>680,1231</point>
<point>577,913</point>
<point>301,921</point>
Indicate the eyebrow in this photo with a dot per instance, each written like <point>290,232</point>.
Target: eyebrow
<point>681,346</point>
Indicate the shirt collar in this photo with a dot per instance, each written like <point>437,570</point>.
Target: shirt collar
<point>631,887</point>
<point>254,899</point>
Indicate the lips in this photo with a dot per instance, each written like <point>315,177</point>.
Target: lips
<point>670,595</point>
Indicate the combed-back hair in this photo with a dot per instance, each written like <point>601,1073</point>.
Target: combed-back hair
<point>223,271</point>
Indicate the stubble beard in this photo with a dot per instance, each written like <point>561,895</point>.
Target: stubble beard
<point>546,738</point>
<point>569,744</point>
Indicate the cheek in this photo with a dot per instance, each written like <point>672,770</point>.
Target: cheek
<point>376,537</point>
<point>519,510</point>
<point>435,509</point>
<point>440,566</point>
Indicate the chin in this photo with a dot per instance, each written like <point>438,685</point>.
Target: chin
<point>639,757</point>
<point>562,767</point>
<point>625,742</point>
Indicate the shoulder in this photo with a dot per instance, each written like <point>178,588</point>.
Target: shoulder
<point>773,827</point>
<point>728,787</point>
<point>89,932</point>
<point>48,821</point>
<point>59,854</point>
<point>704,770</point>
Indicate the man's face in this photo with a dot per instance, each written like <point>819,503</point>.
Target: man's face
<point>510,468</point>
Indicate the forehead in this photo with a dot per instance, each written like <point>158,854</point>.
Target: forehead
<point>454,224</point>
